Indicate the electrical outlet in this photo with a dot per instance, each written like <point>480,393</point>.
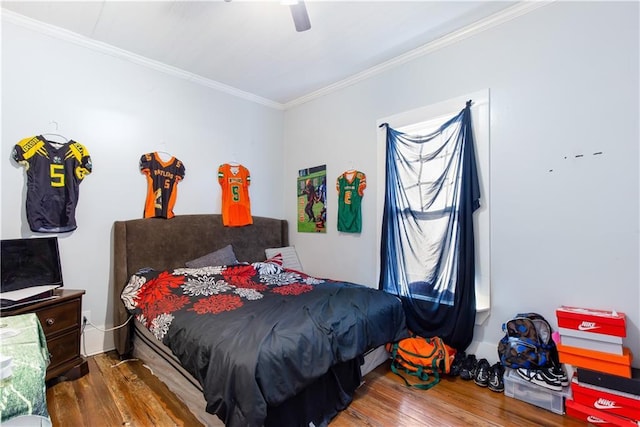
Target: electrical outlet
<point>86,315</point>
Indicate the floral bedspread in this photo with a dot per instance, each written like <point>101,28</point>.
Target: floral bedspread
<point>256,334</point>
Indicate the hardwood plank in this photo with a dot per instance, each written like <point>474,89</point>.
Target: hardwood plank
<point>95,398</point>
<point>384,400</point>
<point>116,394</point>
<point>128,406</point>
<point>137,401</point>
<point>166,399</point>
<point>130,395</point>
<point>61,399</point>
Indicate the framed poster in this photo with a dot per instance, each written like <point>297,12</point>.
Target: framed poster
<point>312,197</point>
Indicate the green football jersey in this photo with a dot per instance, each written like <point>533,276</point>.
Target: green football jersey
<point>350,186</point>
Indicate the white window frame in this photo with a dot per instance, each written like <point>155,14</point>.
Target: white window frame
<point>414,120</point>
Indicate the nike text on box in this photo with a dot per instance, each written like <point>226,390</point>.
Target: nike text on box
<point>619,404</point>
<point>592,320</point>
<point>597,360</point>
<point>596,417</point>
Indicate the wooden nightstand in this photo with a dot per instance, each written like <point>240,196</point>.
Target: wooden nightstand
<point>61,320</point>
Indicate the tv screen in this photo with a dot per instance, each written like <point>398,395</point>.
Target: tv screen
<point>30,262</point>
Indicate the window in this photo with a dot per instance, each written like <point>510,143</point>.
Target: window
<point>424,120</point>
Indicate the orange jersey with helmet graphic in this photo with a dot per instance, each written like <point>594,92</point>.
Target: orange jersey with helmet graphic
<point>236,205</point>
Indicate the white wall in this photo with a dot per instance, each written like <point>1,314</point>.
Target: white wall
<point>564,229</point>
<point>120,110</point>
<point>563,82</point>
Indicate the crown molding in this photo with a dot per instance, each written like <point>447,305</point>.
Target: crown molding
<point>492,21</point>
<point>107,49</point>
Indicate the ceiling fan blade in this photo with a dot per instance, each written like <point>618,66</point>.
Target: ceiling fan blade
<point>300,16</point>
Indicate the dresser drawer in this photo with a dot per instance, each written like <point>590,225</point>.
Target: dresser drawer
<point>64,348</point>
<point>60,320</point>
<point>60,317</point>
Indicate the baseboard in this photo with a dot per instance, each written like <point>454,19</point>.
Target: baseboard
<point>484,350</point>
<point>96,340</point>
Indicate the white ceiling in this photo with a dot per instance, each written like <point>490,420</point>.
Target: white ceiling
<point>252,46</point>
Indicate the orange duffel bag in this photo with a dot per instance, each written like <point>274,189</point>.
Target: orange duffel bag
<point>423,358</point>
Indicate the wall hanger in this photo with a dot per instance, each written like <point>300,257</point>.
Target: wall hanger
<point>350,167</point>
<point>48,135</point>
<point>163,150</point>
<point>233,156</point>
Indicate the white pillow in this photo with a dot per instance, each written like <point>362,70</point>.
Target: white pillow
<point>289,257</point>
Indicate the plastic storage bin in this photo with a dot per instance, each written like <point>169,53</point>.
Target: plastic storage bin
<point>518,388</point>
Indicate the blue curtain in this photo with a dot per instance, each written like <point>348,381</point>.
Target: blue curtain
<point>427,250</point>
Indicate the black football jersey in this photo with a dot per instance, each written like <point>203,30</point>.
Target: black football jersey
<point>54,175</point>
<point>162,184</point>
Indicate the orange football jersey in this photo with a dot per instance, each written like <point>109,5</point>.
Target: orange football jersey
<point>236,205</point>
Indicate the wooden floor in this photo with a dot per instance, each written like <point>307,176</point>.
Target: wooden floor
<point>127,394</point>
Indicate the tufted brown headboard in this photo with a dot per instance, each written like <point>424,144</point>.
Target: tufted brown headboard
<point>165,244</point>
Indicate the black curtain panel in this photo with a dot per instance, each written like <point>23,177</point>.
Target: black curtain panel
<point>427,250</point>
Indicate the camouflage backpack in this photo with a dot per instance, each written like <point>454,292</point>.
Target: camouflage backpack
<point>527,342</point>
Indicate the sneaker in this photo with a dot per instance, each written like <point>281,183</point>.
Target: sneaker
<point>552,376</point>
<point>468,370</point>
<point>559,372</point>
<point>481,376</point>
<point>496,378</point>
<point>537,376</point>
<point>456,365</point>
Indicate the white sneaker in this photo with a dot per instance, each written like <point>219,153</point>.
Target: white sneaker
<point>538,377</point>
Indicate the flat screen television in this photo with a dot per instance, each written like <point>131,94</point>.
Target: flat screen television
<point>30,262</point>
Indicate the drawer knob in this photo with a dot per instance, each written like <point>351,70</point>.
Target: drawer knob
<point>50,321</point>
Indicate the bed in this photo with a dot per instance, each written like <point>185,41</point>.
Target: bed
<point>252,342</point>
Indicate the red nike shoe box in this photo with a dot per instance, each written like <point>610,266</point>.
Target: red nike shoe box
<point>595,417</point>
<point>596,360</point>
<point>592,320</point>
<point>619,404</point>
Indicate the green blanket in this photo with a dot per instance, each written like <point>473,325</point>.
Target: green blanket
<point>24,391</point>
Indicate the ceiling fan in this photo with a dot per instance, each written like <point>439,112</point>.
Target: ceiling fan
<point>300,15</point>
<point>298,12</point>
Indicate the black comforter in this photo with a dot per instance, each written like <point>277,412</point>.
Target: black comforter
<point>256,335</point>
